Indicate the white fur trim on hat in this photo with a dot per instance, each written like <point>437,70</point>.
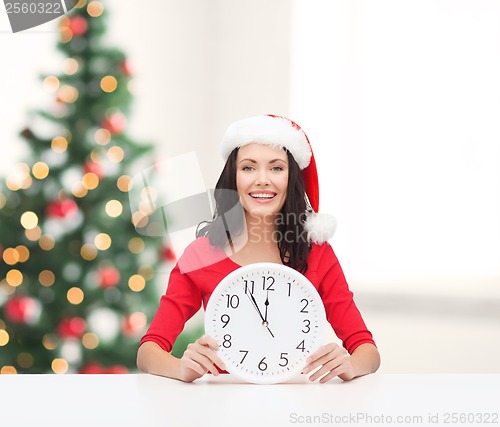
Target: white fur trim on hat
<point>320,227</point>
<point>274,131</point>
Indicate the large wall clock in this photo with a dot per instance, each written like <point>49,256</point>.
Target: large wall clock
<point>267,318</point>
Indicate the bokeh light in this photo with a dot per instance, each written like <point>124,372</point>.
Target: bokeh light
<point>88,252</point>
<point>102,241</point>
<point>60,366</point>
<point>90,340</point>
<point>116,154</point>
<point>109,84</point>
<point>14,277</point>
<point>90,181</point>
<point>8,370</point>
<point>136,245</point>
<point>25,360</point>
<point>4,337</point>
<point>29,220</point>
<point>59,144</point>
<point>136,283</point>
<point>46,278</point>
<point>68,94</point>
<point>124,183</point>
<point>102,136</point>
<point>33,234</point>
<point>47,242</point>
<point>70,66</point>
<point>51,84</point>
<point>75,295</point>
<point>114,208</point>
<point>11,256</point>
<point>40,170</point>
<point>23,252</point>
<point>95,9</point>
<point>49,342</point>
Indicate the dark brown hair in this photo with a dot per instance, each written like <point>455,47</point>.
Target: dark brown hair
<point>292,242</point>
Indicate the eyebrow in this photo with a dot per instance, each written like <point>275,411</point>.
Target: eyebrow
<point>254,161</point>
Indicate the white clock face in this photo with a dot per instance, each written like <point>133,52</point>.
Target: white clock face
<point>267,319</point>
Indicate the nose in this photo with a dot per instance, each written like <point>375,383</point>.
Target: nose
<point>262,178</point>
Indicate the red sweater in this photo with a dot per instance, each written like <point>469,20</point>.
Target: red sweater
<point>186,292</point>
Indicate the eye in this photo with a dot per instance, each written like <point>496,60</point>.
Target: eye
<point>247,168</point>
<point>277,168</point>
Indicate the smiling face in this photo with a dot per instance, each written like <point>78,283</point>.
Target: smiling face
<point>261,179</point>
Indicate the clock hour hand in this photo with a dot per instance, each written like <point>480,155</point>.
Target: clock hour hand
<point>264,322</point>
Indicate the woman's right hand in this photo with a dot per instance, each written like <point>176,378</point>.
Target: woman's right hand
<point>199,358</point>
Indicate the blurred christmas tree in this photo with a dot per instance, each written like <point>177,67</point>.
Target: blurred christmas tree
<point>76,288</point>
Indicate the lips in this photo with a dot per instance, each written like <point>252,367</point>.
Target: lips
<point>262,196</point>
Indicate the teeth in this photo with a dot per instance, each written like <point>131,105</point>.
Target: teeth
<point>262,196</point>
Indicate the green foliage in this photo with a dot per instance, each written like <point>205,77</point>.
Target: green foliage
<point>68,302</point>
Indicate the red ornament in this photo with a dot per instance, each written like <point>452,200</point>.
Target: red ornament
<point>78,25</point>
<point>21,309</point>
<point>108,277</point>
<point>73,327</point>
<point>125,68</point>
<point>168,254</point>
<point>114,123</point>
<point>62,208</point>
<point>93,167</point>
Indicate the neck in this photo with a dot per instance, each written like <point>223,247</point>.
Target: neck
<point>261,230</point>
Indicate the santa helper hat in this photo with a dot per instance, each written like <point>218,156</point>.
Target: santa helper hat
<point>278,131</point>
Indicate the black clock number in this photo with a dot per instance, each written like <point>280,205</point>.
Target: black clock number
<point>227,341</point>
<point>301,346</point>
<point>305,305</point>
<point>266,279</point>
<point>262,364</point>
<point>243,351</point>
<point>233,301</point>
<point>307,326</point>
<point>225,319</point>
<point>289,288</point>
<point>246,286</point>
<point>282,357</point>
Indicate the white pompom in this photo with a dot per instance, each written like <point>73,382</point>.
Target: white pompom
<point>320,227</point>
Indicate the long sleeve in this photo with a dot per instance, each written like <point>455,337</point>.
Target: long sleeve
<point>180,302</point>
<point>341,310</point>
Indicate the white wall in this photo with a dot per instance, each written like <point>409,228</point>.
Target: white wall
<point>401,100</point>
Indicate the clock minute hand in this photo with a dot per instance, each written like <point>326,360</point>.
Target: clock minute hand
<point>264,322</point>
<point>266,304</point>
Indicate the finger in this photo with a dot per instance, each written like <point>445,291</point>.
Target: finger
<point>324,349</point>
<point>207,340</point>
<point>321,359</point>
<point>201,360</point>
<point>204,356</point>
<point>210,354</point>
<point>188,363</point>
<point>324,370</point>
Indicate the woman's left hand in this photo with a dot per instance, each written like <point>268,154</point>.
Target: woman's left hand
<point>333,361</point>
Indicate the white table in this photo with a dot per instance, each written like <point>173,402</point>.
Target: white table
<point>146,401</point>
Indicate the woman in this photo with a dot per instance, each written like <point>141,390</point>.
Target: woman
<point>270,172</point>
